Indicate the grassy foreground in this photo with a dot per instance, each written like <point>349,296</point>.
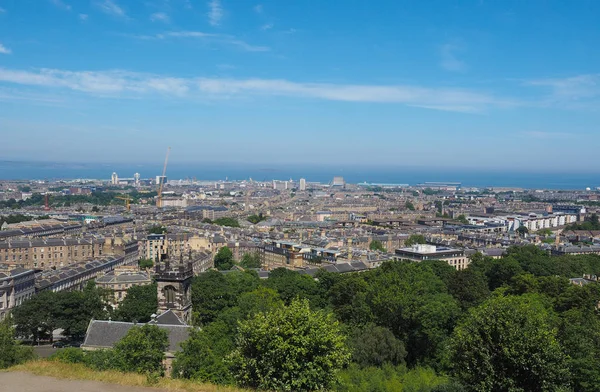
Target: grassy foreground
<point>79,372</point>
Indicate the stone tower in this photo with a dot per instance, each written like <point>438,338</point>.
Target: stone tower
<point>174,281</point>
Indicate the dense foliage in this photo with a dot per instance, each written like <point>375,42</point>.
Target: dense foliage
<point>376,245</point>
<point>11,352</point>
<point>228,222</point>
<point>291,348</point>
<point>138,305</point>
<point>256,218</point>
<point>415,239</point>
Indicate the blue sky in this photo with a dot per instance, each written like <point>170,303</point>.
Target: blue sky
<point>452,84</point>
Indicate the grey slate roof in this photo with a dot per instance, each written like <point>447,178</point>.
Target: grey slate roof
<point>105,334</point>
<point>169,318</point>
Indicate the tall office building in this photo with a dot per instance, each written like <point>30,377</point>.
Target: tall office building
<point>160,179</point>
<point>302,184</point>
<point>114,179</point>
<point>338,181</point>
<point>136,179</point>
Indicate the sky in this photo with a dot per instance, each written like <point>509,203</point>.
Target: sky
<point>449,84</point>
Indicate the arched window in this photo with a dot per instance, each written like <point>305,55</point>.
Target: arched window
<point>169,292</point>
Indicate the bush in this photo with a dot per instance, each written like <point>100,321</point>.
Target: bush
<point>103,360</point>
<point>11,353</point>
<point>69,355</point>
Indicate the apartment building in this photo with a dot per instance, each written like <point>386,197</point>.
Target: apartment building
<point>157,246</point>
<point>50,253</point>
<point>121,280</point>
<point>16,285</point>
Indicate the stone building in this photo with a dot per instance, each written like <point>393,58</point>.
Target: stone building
<point>122,279</point>
<point>174,280</point>
<point>422,252</point>
<point>16,285</point>
<point>157,246</point>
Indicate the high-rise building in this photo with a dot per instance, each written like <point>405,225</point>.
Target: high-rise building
<point>160,179</point>
<point>136,179</point>
<point>338,181</point>
<point>114,179</point>
<point>302,184</point>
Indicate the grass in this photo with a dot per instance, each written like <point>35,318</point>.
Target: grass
<point>70,371</point>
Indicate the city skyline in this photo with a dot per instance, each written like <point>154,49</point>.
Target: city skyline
<point>506,85</point>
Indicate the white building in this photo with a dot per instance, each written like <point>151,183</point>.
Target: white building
<point>302,184</point>
<point>114,179</point>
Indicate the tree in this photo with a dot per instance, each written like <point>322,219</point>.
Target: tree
<point>95,209</point>
<point>146,263</point>
<point>409,205</point>
<point>229,222</point>
<point>509,344</point>
<point>522,230</point>
<point>376,245</point>
<point>11,353</point>
<point>462,219</point>
<point>290,285</point>
<point>469,287</point>
<point>201,355</point>
<point>290,348</point>
<point>375,346</point>
<point>157,229</point>
<point>251,260</point>
<point>224,259</point>
<point>142,350</point>
<point>75,309</point>
<point>139,304</point>
<point>261,300</point>
<point>34,318</point>
<point>256,218</point>
<point>415,239</point>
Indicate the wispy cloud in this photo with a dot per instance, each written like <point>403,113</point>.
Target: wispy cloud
<point>449,59</point>
<point>160,17</point>
<point>212,38</point>
<point>83,17</point>
<point>124,84</point>
<point>571,88</point>
<point>2,10</point>
<point>61,4</point>
<point>266,27</point>
<point>4,50</point>
<point>110,7</point>
<point>215,12</point>
<point>258,8</point>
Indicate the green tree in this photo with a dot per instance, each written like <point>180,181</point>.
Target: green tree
<point>462,219</point>
<point>139,304</point>
<point>375,346</point>
<point>251,260</point>
<point>229,222</point>
<point>415,239</point>
<point>146,263</point>
<point>290,285</point>
<point>157,229</point>
<point>201,355</point>
<point>409,205</point>
<point>376,245</point>
<point>35,317</point>
<point>11,353</point>
<point>256,218</point>
<point>469,287</point>
<point>224,259</point>
<point>290,348</point>
<point>509,344</point>
<point>522,230</point>
<point>261,300</point>
<point>142,350</point>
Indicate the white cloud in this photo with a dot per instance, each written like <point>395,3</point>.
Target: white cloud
<point>2,10</point>
<point>267,26</point>
<point>160,17</point>
<point>61,4</point>
<point>449,61</point>
<point>571,88</point>
<point>215,12</point>
<point>111,8</point>
<point>4,50</point>
<point>124,84</point>
<point>213,38</point>
<point>258,8</point>
<point>83,17</point>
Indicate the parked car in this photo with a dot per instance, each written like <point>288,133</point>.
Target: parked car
<point>58,344</point>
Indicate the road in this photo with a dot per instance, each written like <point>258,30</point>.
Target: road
<point>26,382</point>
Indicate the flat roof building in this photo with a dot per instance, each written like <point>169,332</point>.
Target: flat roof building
<point>422,252</point>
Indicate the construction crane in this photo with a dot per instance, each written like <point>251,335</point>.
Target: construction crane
<point>161,181</point>
<point>128,201</point>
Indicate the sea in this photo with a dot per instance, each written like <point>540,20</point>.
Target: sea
<point>216,171</point>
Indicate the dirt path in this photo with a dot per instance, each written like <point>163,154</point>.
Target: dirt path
<point>26,382</point>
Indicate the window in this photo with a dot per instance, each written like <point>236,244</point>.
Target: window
<point>169,292</point>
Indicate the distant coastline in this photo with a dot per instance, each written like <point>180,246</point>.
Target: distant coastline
<point>16,170</point>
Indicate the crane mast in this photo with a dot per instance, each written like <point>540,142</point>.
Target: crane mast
<point>161,181</point>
